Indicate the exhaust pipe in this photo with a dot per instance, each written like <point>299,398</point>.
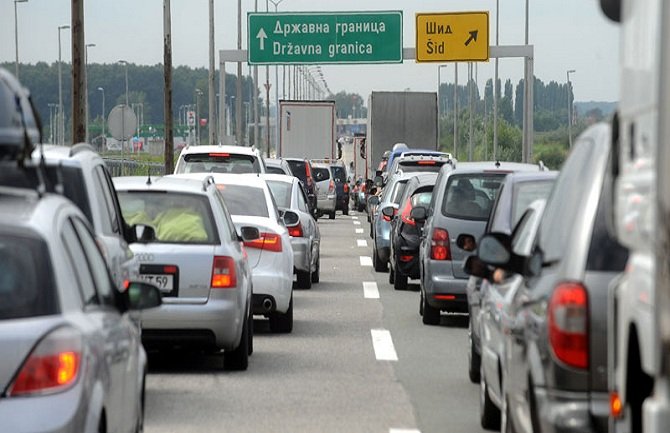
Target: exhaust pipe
<point>267,304</point>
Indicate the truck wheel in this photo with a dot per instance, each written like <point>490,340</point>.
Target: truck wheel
<point>331,215</point>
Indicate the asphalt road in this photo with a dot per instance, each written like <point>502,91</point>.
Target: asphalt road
<point>353,363</point>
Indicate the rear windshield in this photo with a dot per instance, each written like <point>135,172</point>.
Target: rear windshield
<point>526,193</point>
<point>420,166</point>
<point>281,191</point>
<point>218,163</point>
<point>422,199</point>
<point>471,196</point>
<point>274,170</point>
<point>298,169</point>
<point>176,217</point>
<point>244,200</point>
<point>321,174</point>
<point>339,174</point>
<point>26,280</point>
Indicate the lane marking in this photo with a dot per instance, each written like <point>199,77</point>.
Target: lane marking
<point>357,223</point>
<point>383,345</point>
<point>366,261</point>
<point>404,430</point>
<point>362,242</point>
<point>359,230</point>
<point>370,290</point>
<point>354,217</point>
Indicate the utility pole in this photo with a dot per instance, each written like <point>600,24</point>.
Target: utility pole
<point>61,119</point>
<point>16,35</point>
<point>86,88</point>
<point>238,97</point>
<point>212,93</point>
<point>455,108</point>
<point>470,146</point>
<point>100,89</point>
<point>495,90</point>
<point>167,90</point>
<point>78,73</point>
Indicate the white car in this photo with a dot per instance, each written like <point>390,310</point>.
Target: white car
<point>219,159</point>
<point>250,202</point>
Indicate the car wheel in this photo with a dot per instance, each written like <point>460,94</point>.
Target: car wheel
<point>400,282</point>
<point>431,316</point>
<point>331,215</point>
<point>251,333</point>
<point>474,358</point>
<point>238,359</point>
<point>315,274</point>
<point>421,302</point>
<point>377,262</point>
<point>489,414</point>
<point>506,425</point>
<point>139,426</point>
<point>304,279</point>
<point>391,275</point>
<point>282,322</point>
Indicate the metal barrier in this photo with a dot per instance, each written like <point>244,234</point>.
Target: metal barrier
<point>129,167</point>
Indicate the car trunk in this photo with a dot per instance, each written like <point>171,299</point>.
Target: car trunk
<point>597,284</point>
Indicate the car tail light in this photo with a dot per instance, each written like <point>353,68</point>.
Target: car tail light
<point>388,218</point>
<point>616,406</point>
<point>405,213</point>
<point>295,231</point>
<point>223,273</point>
<point>267,242</point>
<point>426,162</point>
<point>52,366</point>
<point>439,245</point>
<point>217,154</point>
<point>568,324</point>
<point>406,259</point>
<point>346,187</point>
<point>331,187</point>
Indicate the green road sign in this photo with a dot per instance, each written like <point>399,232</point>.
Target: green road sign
<point>328,37</point>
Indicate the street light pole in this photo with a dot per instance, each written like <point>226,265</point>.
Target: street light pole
<point>198,92</point>
<point>570,71</point>
<point>16,35</point>
<point>86,87</point>
<point>455,108</point>
<point>495,89</point>
<point>277,123</point>
<point>212,98</point>
<point>100,89</point>
<point>439,105</point>
<point>61,120</point>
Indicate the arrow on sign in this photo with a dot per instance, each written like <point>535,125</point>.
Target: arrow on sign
<point>261,35</point>
<point>473,36</point>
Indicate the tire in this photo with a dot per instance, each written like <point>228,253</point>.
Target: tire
<point>282,323</point>
<point>139,426</point>
<point>391,275</point>
<point>489,414</point>
<point>506,424</point>
<point>238,359</point>
<point>345,211</point>
<point>474,358</point>
<point>331,215</point>
<point>251,333</point>
<point>431,316</point>
<point>400,282</point>
<point>377,263</point>
<point>304,279</point>
<point>316,274</point>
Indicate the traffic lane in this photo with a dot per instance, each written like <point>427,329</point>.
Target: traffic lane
<point>432,364</point>
<point>323,377</point>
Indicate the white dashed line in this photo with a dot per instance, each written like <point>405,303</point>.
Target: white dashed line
<point>404,430</point>
<point>362,242</point>
<point>366,261</point>
<point>383,345</point>
<point>370,290</point>
<point>359,230</point>
<point>357,223</point>
<point>354,217</point>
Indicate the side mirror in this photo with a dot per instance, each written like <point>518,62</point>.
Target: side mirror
<point>418,214</point>
<point>494,249</point>
<point>379,181</point>
<point>291,218</point>
<point>466,242</point>
<point>475,267</point>
<point>388,211</point>
<point>144,233</point>
<point>612,9</point>
<point>373,200</point>
<point>142,295</point>
<point>249,233</point>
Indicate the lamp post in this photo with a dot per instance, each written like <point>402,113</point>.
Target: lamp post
<point>52,110</point>
<point>61,120</point>
<point>495,89</point>
<point>198,93</point>
<point>570,71</point>
<point>276,3</point>
<point>16,34</point>
<point>86,86</point>
<point>100,89</point>
<point>439,110</point>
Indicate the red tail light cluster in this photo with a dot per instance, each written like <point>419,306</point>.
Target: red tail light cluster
<point>267,242</point>
<point>439,245</point>
<point>295,231</point>
<point>52,366</point>
<point>223,273</point>
<point>405,213</point>
<point>568,324</point>
<point>331,187</point>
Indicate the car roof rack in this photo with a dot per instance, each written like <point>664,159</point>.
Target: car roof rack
<point>541,165</point>
<point>207,181</point>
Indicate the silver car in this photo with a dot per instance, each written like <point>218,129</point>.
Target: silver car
<point>71,359</point>
<point>326,195</point>
<point>304,231</point>
<point>196,258</point>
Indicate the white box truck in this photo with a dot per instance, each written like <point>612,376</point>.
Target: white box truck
<point>307,129</point>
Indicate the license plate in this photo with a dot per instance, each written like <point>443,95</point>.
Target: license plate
<point>163,281</point>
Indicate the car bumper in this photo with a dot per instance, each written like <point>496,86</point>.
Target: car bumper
<point>563,411</point>
<point>301,254</point>
<point>219,321</point>
<point>268,282</point>
<point>326,204</point>
<point>442,289</point>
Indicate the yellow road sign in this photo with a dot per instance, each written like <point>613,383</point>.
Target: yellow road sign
<point>452,37</point>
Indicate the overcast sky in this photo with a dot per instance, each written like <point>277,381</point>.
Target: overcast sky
<point>566,34</point>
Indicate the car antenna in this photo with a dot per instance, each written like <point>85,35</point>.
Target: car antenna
<point>148,176</point>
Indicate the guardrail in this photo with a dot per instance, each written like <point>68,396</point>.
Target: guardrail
<point>131,167</point>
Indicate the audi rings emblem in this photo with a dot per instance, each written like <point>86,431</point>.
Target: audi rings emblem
<point>145,257</point>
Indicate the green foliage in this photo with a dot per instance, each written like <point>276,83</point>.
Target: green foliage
<point>349,104</point>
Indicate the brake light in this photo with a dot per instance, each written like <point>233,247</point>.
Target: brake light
<point>439,245</point>
<point>170,269</point>
<point>295,231</point>
<point>423,162</point>
<point>225,155</point>
<point>568,324</point>
<point>616,406</point>
<point>445,297</point>
<point>406,259</point>
<point>267,242</point>
<point>223,273</point>
<point>405,213</point>
<point>331,187</point>
<point>52,366</point>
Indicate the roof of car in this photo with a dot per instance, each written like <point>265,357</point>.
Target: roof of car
<point>79,151</point>
<point>492,167</point>
<point>273,162</point>
<point>250,179</point>
<point>279,177</point>
<point>220,148</point>
<point>424,178</point>
<point>25,208</point>
<point>176,183</point>
<point>523,176</point>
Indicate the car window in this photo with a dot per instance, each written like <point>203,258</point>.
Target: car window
<point>106,197</point>
<point>527,192</point>
<point>605,253</point>
<point>176,217</point>
<point>80,269</point>
<point>398,189</point>
<point>97,265</point>
<point>422,198</point>
<point>218,162</point>
<point>245,200</point>
<point>302,200</point>
<point>524,233</point>
<point>230,226</point>
<point>281,191</point>
<point>471,196</point>
<point>424,166</point>
<point>274,170</point>
<point>339,173</point>
<point>298,169</point>
<point>27,286</point>
<point>74,186</point>
<point>321,174</point>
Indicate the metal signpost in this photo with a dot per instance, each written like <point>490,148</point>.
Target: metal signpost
<point>328,37</point>
<point>452,37</point>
